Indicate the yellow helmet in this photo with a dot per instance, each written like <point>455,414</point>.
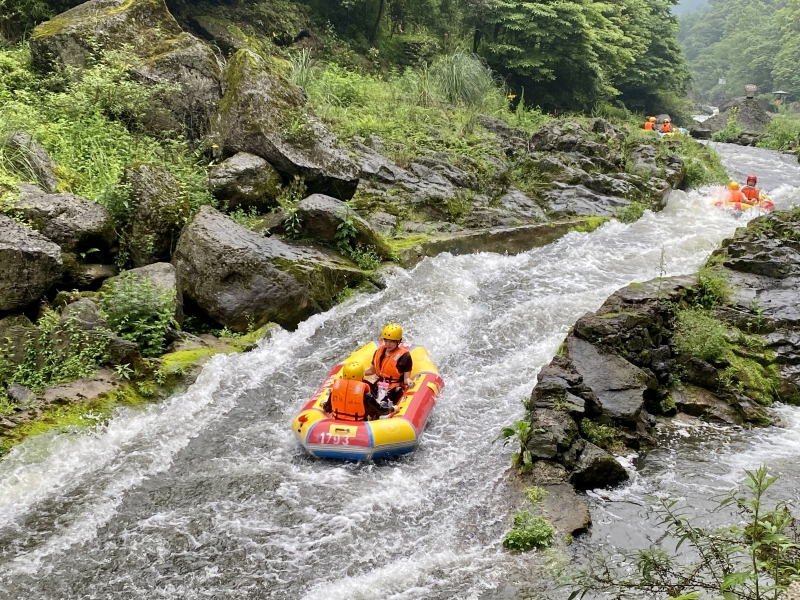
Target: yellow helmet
<point>733,185</point>
<point>667,120</point>
<point>392,331</point>
<point>353,370</point>
<point>652,119</point>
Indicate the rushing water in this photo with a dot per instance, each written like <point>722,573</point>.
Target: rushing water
<point>208,495</point>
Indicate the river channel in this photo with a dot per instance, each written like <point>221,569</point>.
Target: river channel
<point>208,494</point>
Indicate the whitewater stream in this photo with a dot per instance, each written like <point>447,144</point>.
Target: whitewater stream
<point>208,494</point>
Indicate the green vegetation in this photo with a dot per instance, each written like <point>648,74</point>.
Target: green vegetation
<point>603,436</point>
<point>755,557</point>
<point>93,124</point>
<point>732,129</point>
<point>699,334</point>
<point>529,532</point>
<point>518,433</point>
<point>741,42</point>
<point>783,132</point>
<point>631,213</point>
<point>139,311</point>
<point>59,351</point>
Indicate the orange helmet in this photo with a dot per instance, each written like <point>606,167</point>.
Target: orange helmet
<point>733,185</point>
<point>752,178</point>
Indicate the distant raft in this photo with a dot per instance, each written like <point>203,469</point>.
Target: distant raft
<point>399,433</point>
<point>763,203</point>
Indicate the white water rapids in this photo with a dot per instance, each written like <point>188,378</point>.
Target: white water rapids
<point>208,494</point>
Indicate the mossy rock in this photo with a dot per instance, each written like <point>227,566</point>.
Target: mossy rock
<point>263,114</point>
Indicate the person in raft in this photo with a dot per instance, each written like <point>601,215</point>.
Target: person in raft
<point>666,126</point>
<point>650,124</point>
<point>733,194</point>
<point>392,363</point>
<point>750,191</point>
<point>351,398</point>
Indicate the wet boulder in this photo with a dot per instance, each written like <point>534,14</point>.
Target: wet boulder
<point>74,223</point>
<point>618,385</point>
<point>565,510</point>
<point>242,279</point>
<point>159,213</point>
<point>85,316</point>
<point>322,216</point>
<point>245,180</point>
<point>597,468</point>
<point>29,265</point>
<point>162,53</point>
<point>263,114</point>
<point>749,115</point>
<point>27,156</point>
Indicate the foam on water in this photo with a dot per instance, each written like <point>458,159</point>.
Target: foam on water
<point>209,495</point>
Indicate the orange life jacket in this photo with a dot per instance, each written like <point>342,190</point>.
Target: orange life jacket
<point>751,192</point>
<point>666,127</point>
<point>385,365</point>
<point>649,126</point>
<point>736,196</point>
<point>347,400</point>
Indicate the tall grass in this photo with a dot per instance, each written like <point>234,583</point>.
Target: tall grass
<point>464,78</point>
<point>302,67</point>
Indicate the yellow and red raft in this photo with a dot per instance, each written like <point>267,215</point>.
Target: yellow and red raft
<point>325,437</point>
<point>763,203</point>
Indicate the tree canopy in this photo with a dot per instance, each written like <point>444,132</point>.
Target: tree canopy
<point>741,42</point>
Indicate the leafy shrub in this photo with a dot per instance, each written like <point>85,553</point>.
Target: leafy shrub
<point>732,129</point>
<point>600,435</point>
<point>303,67</point>
<point>782,133</point>
<point>534,494</point>
<point>139,311</point>
<point>699,334</point>
<point>632,212</point>
<point>712,288</point>
<point>60,352</point>
<point>366,258</point>
<point>520,432</point>
<point>528,532</point>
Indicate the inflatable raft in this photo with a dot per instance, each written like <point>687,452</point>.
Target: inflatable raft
<point>399,433</point>
<point>763,203</point>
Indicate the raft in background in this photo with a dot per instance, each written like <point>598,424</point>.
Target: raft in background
<point>326,437</point>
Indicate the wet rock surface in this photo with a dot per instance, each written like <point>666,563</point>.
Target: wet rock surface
<point>29,265</point>
<point>242,279</point>
<point>621,367</point>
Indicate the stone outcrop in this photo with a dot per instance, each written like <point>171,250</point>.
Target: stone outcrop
<point>750,117</point>
<point>263,114</point>
<point>75,224</point>
<point>242,279</point>
<point>245,181</point>
<point>29,265</point>
<point>163,53</point>
<point>622,365</point>
<point>27,156</point>
<point>322,216</point>
<point>159,213</point>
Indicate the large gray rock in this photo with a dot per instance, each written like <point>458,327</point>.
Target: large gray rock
<point>146,29</point>
<point>85,316</point>
<point>75,224</point>
<point>15,331</point>
<point>597,468</point>
<point>262,114</point>
<point>618,385</point>
<point>29,265</point>
<point>160,211</point>
<point>163,276</point>
<point>322,215</point>
<point>245,180</point>
<point>565,510</point>
<point>750,116</point>
<point>27,156</point>
<point>242,279</point>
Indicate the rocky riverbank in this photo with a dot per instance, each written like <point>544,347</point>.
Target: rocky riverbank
<point>720,347</point>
